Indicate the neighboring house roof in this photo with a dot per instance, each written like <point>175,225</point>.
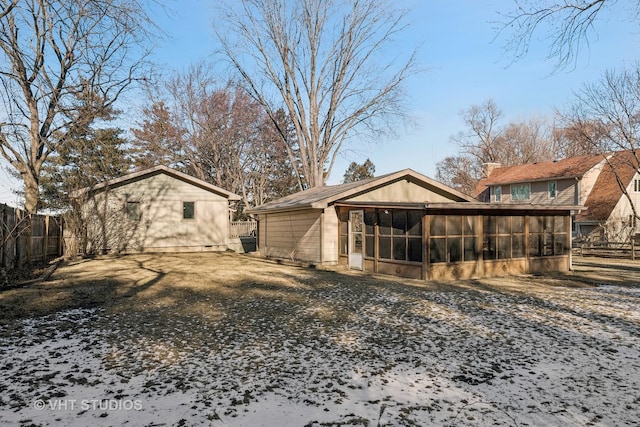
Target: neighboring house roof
<point>321,197</point>
<point>572,167</point>
<point>606,191</point>
<point>156,170</point>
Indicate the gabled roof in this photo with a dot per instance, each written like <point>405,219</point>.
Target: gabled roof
<point>156,170</point>
<point>606,191</point>
<point>572,167</point>
<point>321,197</point>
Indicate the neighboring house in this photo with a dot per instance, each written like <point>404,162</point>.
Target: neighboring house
<point>157,209</point>
<point>609,215</point>
<point>409,225</point>
<point>589,181</point>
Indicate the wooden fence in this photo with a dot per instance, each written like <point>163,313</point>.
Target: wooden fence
<point>239,229</point>
<point>611,249</point>
<point>45,242</point>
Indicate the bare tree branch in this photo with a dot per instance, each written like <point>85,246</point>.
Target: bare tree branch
<point>566,25</point>
<point>487,140</point>
<point>322,62</point>
<point>59,57</point>
<point>607,116</point>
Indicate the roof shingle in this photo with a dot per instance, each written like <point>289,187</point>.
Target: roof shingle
<point>606,191</point>
<point>315,197</point>
<point>566,168</point>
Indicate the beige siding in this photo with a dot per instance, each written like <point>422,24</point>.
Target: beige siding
<point>161,225</point>
<point>540,193</point>
<point>402,192</point>
<point>292,235</point>
<point>330,236</point>
<point>588,181</point>
<point>565,192</point>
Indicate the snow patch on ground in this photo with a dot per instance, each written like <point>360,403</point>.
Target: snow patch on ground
<point>335,355</point>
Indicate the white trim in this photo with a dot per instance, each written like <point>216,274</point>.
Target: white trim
<point>152,171</point>
<point>356,261</point>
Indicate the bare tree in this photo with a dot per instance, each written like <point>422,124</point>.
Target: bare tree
<point>8,6</point>
<point>58,56</point>
<point>326,63</point>
<point>487,140</point>
<point>566,25</point>
<point>574,136</point>
<point>526,141</point>
<point>218,133</point>
<point>461,172</point>
<point>271,174</point>
<point>483,131</point>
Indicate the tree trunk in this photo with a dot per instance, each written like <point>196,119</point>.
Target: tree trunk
<point>31,192</point>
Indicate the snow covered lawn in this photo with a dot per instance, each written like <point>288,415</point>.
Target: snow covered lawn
<point>224,339</point>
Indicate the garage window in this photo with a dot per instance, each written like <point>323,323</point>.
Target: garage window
<point>188,210</point>
<point>132,210</point>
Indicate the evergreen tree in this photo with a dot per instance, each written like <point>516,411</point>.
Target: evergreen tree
<point>356,172</point>
<point>84,160</point>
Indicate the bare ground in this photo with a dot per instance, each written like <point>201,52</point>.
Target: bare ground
<point>224,339</point>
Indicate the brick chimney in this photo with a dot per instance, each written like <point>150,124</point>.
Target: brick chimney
<point>487,168</point>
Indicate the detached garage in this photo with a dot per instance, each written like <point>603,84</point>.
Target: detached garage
<point>157,209</point>
<point>409,225</point>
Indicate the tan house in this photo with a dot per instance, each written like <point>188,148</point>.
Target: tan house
<point>157,209</point>
<point>409,225</point>
<point>585,180</point>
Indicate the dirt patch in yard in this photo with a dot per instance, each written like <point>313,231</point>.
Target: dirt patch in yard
<point>224,339</point>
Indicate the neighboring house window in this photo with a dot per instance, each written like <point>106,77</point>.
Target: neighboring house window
<point>188,210</point>
<point>497,193</point>
<point>132,210</point>
<point>636,185</point>
<point>520,192</point>
<point>552,189</point>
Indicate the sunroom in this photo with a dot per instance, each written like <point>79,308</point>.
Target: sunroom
<point>454,240</point>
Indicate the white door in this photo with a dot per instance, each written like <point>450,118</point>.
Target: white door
<point>356,239</point>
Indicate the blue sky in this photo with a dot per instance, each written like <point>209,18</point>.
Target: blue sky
<point>463,67</point>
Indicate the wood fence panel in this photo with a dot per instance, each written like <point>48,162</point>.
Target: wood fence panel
<point>54,240</point>
<point>3,232</point>
<point>45,241</point>
<point>611,249</point>
<point>242,229</point>
<point>9,242</point>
